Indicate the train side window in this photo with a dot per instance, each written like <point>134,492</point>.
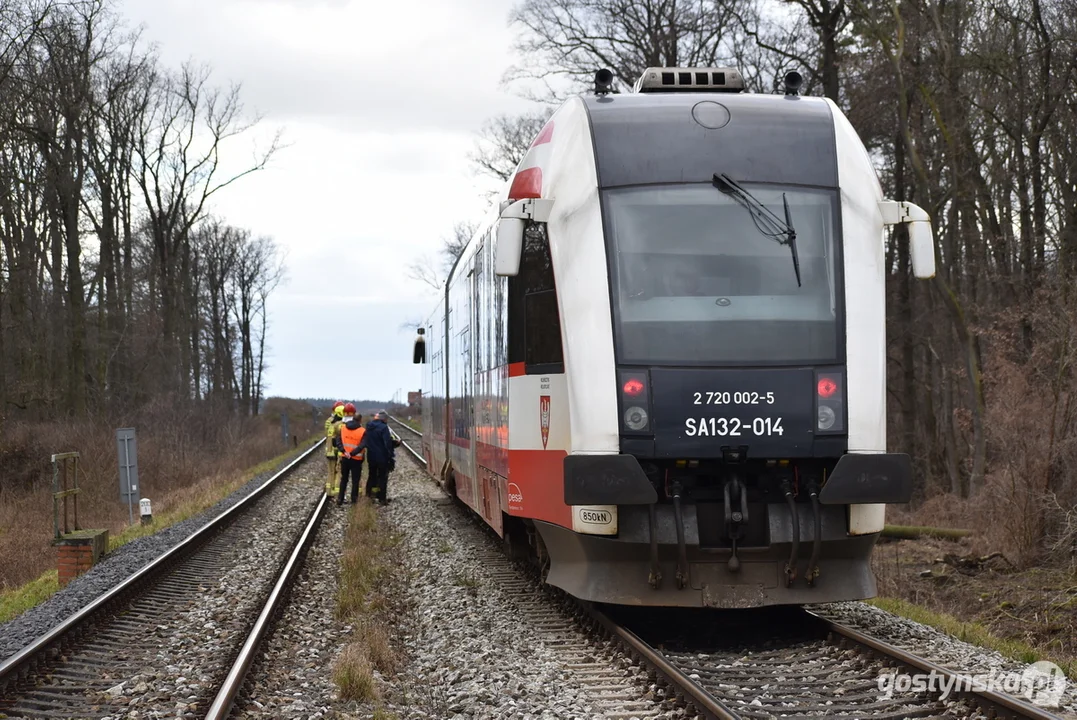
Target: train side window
<point>534,320</point>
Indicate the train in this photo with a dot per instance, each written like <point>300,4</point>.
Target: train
<point>658,368</point>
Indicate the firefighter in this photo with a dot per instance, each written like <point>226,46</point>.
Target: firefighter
<point>332,423</point>
<point>381,456</point>
<point>349,441</point>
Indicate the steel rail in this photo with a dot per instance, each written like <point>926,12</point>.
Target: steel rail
<point>233,683</point>
<point>407,427</point>
<point>1004,706</point>
<point>994,704</point>
<point>22,661</point>
<point>693,693</point>
<point>414,453</point>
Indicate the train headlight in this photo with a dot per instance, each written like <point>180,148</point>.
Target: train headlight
<point>826,417</point>
<point>634,388</point>
<point>830,401</point>
<point>636,418</point>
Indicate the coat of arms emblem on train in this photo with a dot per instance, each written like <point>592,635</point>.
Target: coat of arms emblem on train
<point>544,418</point>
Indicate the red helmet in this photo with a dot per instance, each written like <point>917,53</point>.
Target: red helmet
<point>337,404</point>
<point>349,409</point>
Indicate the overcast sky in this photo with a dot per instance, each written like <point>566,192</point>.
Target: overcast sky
<point>379,103</point>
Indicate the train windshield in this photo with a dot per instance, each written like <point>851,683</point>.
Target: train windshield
<point>696,281</point>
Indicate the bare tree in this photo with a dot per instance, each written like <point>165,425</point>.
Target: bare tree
<point>433,272</point>
<point>504,141</point>
<point>258,271</point>
<point>574,38</point>
<point>220,246</point>
<point>20,23</point>
<point>109,202</point>
<point>179,152</point>
<point>111,293</point>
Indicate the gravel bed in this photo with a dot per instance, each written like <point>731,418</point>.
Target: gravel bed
<point>934,645</point>
<point>115,567</point>
<point>294,677</point>
<point>197,645</point>
<point>473,651</point>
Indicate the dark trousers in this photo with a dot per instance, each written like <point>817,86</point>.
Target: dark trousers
<point>353,469</point>
<point>377,480</point>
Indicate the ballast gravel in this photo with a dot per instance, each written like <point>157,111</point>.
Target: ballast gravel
<point>294,676</point>
<point>117,565</point>
<point>175,672</point>
<point>474,649</point>
<point>197,645</point>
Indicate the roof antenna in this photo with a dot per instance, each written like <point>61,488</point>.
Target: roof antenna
<point>793,81</point>
<point>603,82</point>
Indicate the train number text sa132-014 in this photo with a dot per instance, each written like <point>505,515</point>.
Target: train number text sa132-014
<point>733,427</point>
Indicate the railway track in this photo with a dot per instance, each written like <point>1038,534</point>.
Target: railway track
<point>791,663</point>
<point>197,603</point>
<point>800,665</point>
<point>411,432</point>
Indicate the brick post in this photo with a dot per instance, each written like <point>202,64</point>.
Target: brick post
<point>78,551</point>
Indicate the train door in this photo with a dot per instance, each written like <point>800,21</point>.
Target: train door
<point>538,404</point>
<point>483,410</point>
<point>468,346</point>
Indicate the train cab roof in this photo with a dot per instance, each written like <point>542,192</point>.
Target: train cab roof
<point>687,132</point>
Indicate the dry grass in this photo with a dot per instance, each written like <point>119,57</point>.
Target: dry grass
<point>375,638</point>
<point>180,505</point>
<point>1024,614</point>
<point>354,675</point>
<point>185,465</point>
<point>365,568</point>
<point>1003,516</point>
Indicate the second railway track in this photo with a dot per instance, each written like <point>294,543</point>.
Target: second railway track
<point>176,638</point>
<point>794,664</point>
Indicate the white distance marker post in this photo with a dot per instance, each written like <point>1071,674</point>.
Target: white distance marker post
<point>145,511</point>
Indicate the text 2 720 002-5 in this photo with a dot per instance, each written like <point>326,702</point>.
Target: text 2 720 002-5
<point>740,397</point>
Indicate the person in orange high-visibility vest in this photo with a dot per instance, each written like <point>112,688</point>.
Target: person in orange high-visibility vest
<point>348,439</point>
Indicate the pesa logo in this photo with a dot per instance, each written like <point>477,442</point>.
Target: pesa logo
<point>595,517</point>
<point>516,497</point>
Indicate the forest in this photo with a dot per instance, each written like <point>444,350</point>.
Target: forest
<point>118,287</point>
<point>124,300</point>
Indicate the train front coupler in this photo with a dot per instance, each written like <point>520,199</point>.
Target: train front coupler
<point>735,496</point>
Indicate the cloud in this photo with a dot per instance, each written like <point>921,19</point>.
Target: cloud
<point>379,104</point>
<point>383,66</point>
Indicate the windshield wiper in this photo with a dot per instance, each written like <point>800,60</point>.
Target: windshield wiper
<point>765,221</point>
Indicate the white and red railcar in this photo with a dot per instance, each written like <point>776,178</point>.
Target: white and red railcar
<point>660,364</point>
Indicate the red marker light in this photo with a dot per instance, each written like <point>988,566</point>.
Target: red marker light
<point>634,387</point>
<point>826,387</point>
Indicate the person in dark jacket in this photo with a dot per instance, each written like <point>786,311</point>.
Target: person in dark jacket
<point>348,441</point>
<point>380,457</point>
